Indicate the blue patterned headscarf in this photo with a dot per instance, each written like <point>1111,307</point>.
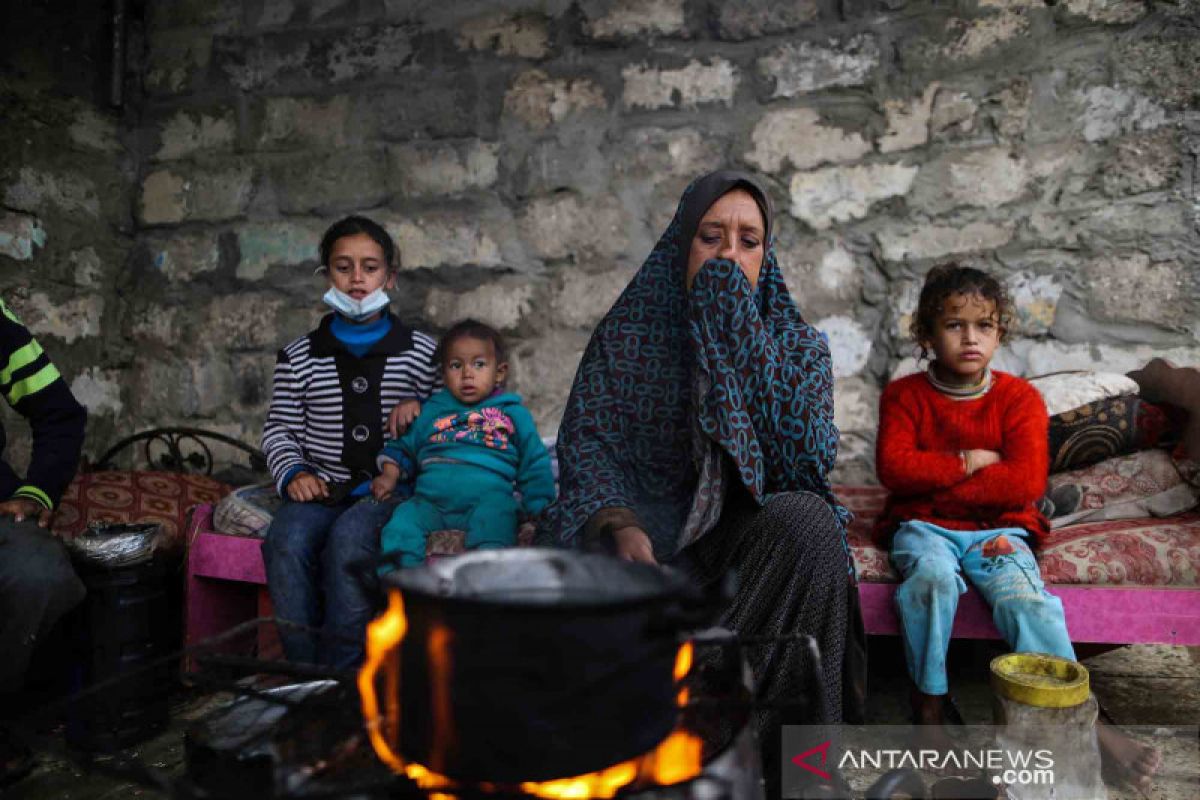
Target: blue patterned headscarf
<point>675,392</point>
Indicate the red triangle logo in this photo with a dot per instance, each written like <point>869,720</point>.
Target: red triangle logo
<point>801,760</point>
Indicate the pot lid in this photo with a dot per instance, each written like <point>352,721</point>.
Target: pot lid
<point>537,577</point>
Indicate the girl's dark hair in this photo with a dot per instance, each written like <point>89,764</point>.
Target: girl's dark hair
<point>355,225</point>
<point>949,279</point>
<point>471,329</point>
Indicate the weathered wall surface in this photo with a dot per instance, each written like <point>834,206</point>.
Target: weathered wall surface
<point>67,183</point>
<point>526,154</point>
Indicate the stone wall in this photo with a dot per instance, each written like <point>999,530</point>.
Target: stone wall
<point>526,154</point>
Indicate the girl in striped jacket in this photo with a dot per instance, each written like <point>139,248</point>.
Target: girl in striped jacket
<point>334,389</point>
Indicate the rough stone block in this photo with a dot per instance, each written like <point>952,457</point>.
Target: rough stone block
<point>629,19</point>
<point>89,269</point>
<point>92,130</point>
<point>504,304</point>
<point>714,80</point>
<point>19,234</point>
<point>294,122</point>
<point>1129,287</point>
<point>1166,67</point>
<point>543,370</point>
<point>99,390</point>
<point>38,191</point>
<point>520,35</point>
<point>69,318</point>
<point>1035,300</point>
<point>447,106</point>
<point>1142,163</point>
<point>581,299</point>
<point>1052,356</point>
<point>1110,111</point>
<point>908,121</point>
<point>988,177</point>
<point>953,112</point>
<point>1012,108</point>
<point>849,344</point>
<point>540,101</point>
<point>801,67</point>
<point>335,182</point>
<point>181,256</point>
<point>194,193</point>
<point>750,19</point>
<point>898,242</point>
<point>1109,12</point>
<point>975,38</point>
<point>573,159</point>
<point>663,152</point>
<point>823,276</point>
<point>840,194</point>
<point>263,245</point>
<point>177,59</point>
<point>425,169</point>
<point>564,227</point>
<point>855,405</point>
<point>186,133</point>
<point>796,136</point>
<point>324,57</point>
<point>246,320</point>
<point>444,237</point>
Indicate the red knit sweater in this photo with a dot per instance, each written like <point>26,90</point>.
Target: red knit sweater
<point>921,432</point>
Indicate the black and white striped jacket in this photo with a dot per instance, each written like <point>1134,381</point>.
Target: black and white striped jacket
<point>329,407</point>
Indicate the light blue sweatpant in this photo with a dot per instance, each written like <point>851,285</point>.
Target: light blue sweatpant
<point>932,561</point>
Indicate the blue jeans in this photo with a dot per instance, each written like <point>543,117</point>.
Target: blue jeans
<point>1000,565</point>
<point>307,550</point>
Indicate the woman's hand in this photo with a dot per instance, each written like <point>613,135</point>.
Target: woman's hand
<point>402,416</point>
<point>382,486</point>
<point>22,508</point>
<point>976,460</point>
<point>634,545</point>
<point>306,487</point>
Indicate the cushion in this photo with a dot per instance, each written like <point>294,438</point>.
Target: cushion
<point>1102,429</point>
<point>1146,483</point>
<point>1147,551</point>
<point>162,497</point>
<point>1143,552</point>
<point>247,511</point>
<point>1064,391</point>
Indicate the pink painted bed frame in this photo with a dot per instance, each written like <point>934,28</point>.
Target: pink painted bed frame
<point>226,586</point>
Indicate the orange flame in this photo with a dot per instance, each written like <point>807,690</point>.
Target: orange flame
<point>677,758</point>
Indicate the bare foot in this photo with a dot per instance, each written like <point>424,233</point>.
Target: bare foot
<point>929,730</point>
<point>1126,758</point>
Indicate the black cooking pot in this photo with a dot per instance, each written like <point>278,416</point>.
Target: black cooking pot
<point>532,664</point>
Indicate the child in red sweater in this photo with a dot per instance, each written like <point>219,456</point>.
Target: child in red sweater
<point>964,453</point>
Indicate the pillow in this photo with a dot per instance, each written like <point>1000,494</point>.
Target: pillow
<point>1103,429</point>
<point>162,497</point>
<point>1064,391</point>
<point>1144,484</point>
<point>247,511</point>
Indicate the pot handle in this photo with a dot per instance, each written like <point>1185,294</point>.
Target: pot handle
<point>383,637</point>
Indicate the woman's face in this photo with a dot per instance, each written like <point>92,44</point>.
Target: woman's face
<point>732,229</point>
<point>357,266</point>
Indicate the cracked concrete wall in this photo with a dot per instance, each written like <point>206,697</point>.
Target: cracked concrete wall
<point>526,154</point>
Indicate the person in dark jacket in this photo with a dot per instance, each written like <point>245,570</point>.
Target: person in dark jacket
<point>37,582</point>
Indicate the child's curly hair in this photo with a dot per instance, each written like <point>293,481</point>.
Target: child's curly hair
<point>949,279</point>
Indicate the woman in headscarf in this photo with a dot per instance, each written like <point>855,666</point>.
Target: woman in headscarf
<point>700,433</point>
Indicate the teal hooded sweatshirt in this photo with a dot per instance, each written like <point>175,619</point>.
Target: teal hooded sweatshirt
<point>496,434</point>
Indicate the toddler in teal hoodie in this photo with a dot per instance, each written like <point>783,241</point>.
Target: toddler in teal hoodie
<point>470,445</point>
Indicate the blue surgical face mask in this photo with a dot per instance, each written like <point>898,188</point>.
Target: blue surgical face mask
<point>356,310</point>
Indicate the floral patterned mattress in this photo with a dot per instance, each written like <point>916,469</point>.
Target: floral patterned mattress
<point>1149,551</point>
